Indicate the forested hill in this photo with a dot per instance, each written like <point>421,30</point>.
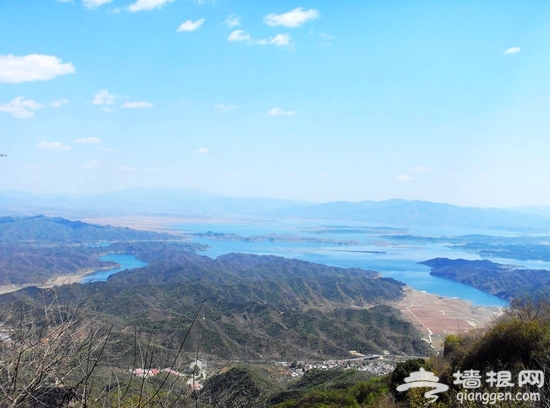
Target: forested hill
<point>505,281</point>
<point>46,230</point>
<point>255,307</point>
<point>34,249</point>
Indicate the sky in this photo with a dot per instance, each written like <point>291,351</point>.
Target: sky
<point>309,100</point>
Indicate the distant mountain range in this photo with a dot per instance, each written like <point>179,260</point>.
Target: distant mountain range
<point>185,202</point>
<point>194,203</point>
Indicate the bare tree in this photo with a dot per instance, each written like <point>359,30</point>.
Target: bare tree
<point>48,354</point>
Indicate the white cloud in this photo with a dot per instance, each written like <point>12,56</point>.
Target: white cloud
<point>326,39</point>
<point>32,67</point>
<point>59,103</point>
<point>53,146</point>
<point>87,140</point>
<point>20,107</point>
<point>127,168</point>
<point>513,50</point>
<point>294,18</point>
<point>232,21</point>
<point>103,97</point>
<point>93,4</point>
<point>202,150</point>
<point>145,5</point>
<point>404,177</point>
<point>420,169</point>
<point>279,40</point>
<point>280,112</point>
<point>189,25</point>
<point>239,35</point>
<point>225,108</point>
<point>92,164</point>
<point>134,105</point>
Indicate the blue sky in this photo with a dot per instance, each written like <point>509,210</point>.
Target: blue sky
<point>320,101</point>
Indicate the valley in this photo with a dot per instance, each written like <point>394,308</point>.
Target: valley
<point>252,298</point>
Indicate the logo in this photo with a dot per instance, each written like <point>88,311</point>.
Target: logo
<point>426,379</point>
<point>472,379</point>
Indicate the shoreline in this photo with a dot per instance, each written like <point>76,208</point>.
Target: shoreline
<point>438,316</point>
<point>56,280</point>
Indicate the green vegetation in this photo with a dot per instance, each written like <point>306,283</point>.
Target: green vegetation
<point>518,340</point>
<point>255,307</point>
<point>34,249</point>
<point>503,281</point>
<point>47,230</point>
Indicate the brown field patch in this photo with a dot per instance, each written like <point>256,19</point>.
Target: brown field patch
<point>436,316</point>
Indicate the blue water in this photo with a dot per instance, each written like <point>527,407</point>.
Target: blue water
<point>126,261</point>
<point>398,259</point>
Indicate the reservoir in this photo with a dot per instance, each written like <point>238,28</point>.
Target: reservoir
<point>126,261</point>
<point>377,248</point>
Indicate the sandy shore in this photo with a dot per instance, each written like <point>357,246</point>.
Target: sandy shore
<point>50,283</point>
<point>437,316</point>
<point>154,223</point>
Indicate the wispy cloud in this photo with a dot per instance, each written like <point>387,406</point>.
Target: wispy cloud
<point>93,4</point>
<point>87,140</point>
<point>202,150</point>
<point>20,108</point>
<point>294,18</point>
<point>32,67</point>
<point>137,105</point>
<point>327,39</point>
<point>513,50</point>
<point>103,97</point>
<point>53,146</point>
<point>59,103</point>
<point>127,168</point>
<point>146,5</point>
<point>232,21</point>
<point>189,25</point>
<point>239,35</point>
<point>404,177</point>
<point>92,164</point>
<point>225,108</point>
<point>278,40</point>
<point>280,112</point>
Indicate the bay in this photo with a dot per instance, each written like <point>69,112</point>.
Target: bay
<point>126,261</point>
<point>379,247</point>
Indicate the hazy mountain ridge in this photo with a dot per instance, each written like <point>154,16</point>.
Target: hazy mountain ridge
<point>156,201</point>
<point>184,202</point>
<point>419,213</point>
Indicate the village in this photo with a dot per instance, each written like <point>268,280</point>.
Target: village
<point>198,371</point>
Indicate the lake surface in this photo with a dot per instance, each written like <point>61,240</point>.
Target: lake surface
<point>126,261</point>
<point>378,249</point>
